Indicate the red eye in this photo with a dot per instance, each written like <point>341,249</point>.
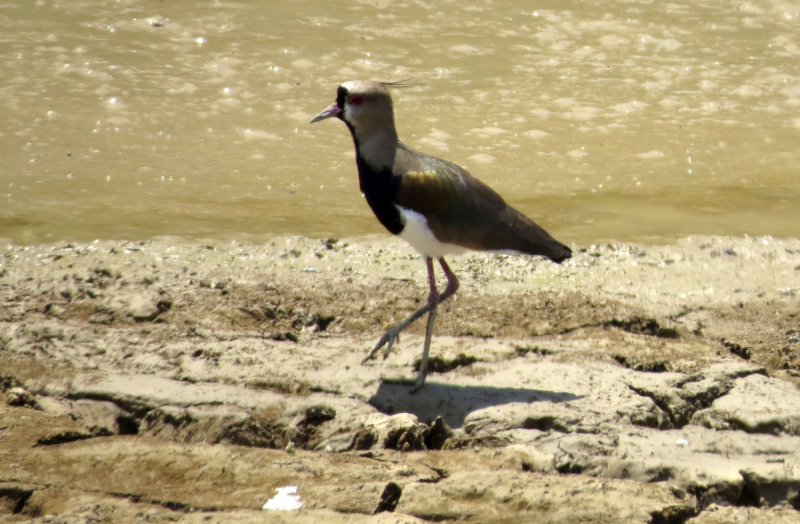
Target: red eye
<point>356,100</point>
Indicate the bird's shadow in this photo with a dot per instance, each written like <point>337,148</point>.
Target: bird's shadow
<point>454,403</point>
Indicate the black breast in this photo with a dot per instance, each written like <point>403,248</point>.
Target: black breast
<point>380,189</point>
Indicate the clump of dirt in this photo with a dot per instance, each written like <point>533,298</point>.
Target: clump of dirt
<point>438,364</point>
<point>264,429</point>
<point>658,366</point>
<point>286,387</point>
<point>643,326</point>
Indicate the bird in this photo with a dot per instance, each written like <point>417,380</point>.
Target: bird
<point>437,207</point>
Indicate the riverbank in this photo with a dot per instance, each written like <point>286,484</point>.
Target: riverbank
<point>166,380</point>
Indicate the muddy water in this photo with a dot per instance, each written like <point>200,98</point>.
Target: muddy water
<point>638,121</point>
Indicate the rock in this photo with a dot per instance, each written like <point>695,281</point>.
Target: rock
<point>438,435</point>
<point>402,432</point>
<point>389,498</point>
<point>140,305</point>
<point>20,397</point>
<point>365,438</point>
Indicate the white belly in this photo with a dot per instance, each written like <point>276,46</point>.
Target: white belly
<point>417,233</point>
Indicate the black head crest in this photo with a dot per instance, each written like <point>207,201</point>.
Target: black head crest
<point>408,82</point>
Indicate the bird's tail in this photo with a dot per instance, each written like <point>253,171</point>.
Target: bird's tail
<point>559,252</point>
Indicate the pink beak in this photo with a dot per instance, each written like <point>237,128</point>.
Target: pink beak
<point>331,111</point>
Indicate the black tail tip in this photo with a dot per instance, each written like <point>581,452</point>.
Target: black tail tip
<point>563,254</point>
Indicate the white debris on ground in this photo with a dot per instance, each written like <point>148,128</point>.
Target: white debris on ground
<point>287,499</point>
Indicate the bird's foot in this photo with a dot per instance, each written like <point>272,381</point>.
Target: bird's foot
<point>418,384</point>
<point>388,339</point>
<point>392,334</point>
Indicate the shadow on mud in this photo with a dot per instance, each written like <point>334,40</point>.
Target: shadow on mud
<point>454,403</point>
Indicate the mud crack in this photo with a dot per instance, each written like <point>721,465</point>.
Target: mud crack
<point>14,498</point>
<point>680,403</point>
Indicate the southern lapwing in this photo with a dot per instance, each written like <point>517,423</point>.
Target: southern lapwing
<point>437,207</point>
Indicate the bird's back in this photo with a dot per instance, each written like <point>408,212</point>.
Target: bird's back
<point>462,210</point>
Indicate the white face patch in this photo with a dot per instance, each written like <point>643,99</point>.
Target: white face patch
<point>373,124</point>
<point>417,233</point>
<point>350,85</point>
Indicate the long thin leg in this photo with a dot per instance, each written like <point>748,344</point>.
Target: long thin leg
<point>452,287</point>
<point>393,334</point>
<point>452,281</point>
<point>433,301</point>
<point>426,349</point>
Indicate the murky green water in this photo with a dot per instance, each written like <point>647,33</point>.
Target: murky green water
<point>637,120</point>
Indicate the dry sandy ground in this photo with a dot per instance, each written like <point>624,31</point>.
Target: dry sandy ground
<point>172,382</point>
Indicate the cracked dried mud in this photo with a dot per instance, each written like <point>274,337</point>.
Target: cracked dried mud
<point>167,381</point>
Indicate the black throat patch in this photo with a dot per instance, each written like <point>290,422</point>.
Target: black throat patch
<point>341,98</point>
<point>380,189</point>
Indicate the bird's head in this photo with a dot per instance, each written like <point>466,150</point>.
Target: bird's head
<point>363,103</point>
<point>360,104</point>
<point>366,108</point>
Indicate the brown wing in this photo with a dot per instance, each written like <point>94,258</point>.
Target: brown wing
<point>464,211</point>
